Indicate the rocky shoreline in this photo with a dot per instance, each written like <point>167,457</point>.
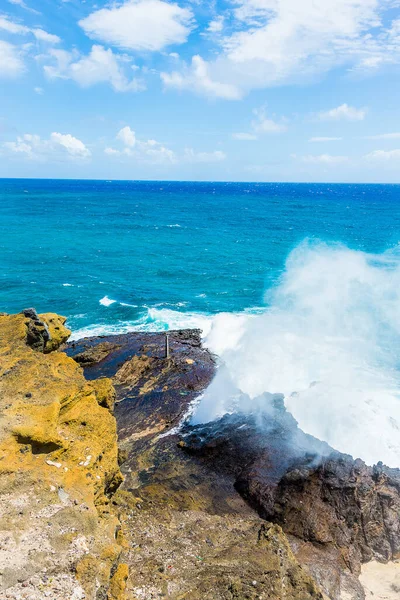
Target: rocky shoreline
<point>248,507</point>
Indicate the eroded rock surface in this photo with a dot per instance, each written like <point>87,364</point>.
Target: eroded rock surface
<point>337,512</point>
<point>190,533</point>
<point>59,537</point>
<point>183,494</point>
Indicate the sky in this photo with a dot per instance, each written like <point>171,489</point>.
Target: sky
<point>236,90</point>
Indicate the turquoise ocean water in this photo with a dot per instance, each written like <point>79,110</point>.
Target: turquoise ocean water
<point>295,286</point>
<point>115,255</point>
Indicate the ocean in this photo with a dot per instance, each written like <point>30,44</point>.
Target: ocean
<point>295,286</point>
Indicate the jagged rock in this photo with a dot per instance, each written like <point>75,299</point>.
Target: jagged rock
<point>58,468</point>
<point>337,512</point>
<point>95,354</point>
<point>46,332</point>
<point>190,533</point>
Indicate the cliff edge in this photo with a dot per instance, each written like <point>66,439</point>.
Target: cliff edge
<point>59,537</point>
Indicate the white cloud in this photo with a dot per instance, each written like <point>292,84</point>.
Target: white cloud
<point>72,145</point>
<point>22,4</point>
<point>38,90</point>
<point>43,36</point>
<point>325,139</point>
<point>203,157</point>
<point>11,62</point>
<point>197,78</point>
<point>58,147</point>
<point>216,25</point>
<point>111,151</point>
<point>154,152</point>
<point>383,156</point>
<point>127,137</point>
<point>149,151</point>
<point>100,66</point>
<point>140,25</point>
<point>275,42</point>
<point>244,136</point>
<point>324,159</point>
<point>343,112</point>
<point>384,136</point>
<point>262,124</point>
<point>18,29</point>
<point>11,27</point>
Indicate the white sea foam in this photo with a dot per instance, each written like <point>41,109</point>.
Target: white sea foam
<point>68,285</point>
<point>153,320</point>
<point>106,301</point>
<point>329,342</point>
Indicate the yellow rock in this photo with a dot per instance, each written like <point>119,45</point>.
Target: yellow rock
<point>118,583</point>
<point>58,467</point>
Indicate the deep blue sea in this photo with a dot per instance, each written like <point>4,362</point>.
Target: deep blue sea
<point>74,246</point>
<point>296,287</point>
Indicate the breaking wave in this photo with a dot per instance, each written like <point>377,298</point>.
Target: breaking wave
<point>329,341</point>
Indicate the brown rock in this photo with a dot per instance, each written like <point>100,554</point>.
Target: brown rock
<point>58,467</point>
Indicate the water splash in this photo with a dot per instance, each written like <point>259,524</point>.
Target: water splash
<point>329,341</point>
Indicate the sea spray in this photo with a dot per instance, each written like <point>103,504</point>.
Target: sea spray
<point>329,341</point>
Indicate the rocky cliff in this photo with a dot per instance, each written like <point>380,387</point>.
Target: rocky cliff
<point>208,507</point>
<point>247,507</point>
<point>59,537</point>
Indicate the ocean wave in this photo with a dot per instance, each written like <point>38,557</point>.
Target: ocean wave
<point>106,301</point>
<point>154,319</point>
<point>329,341</point>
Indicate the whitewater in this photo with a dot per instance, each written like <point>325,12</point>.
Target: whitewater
<point>328,339</point>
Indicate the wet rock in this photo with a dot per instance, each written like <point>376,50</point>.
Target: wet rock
<point>338,512</point>
<point>184,521</point>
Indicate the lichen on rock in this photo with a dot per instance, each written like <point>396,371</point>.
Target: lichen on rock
<point>58,468</point>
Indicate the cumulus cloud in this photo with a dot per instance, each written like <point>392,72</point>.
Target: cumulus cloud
<point>274,42</point>
<point>216,25</point>
<point>11,61</point>
<point>140,25</point>
<point>127,137</point>
<point>99,66</point>
<point>18,29</point>
<point>57,147</point>
<point>142,150</point>
<point>197,78</point>
<point>343,112</point>
<point>154,152</point>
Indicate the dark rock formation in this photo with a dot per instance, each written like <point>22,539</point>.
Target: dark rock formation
<point>191,535</point>
<point>337,511</point>
<point>188,487</point>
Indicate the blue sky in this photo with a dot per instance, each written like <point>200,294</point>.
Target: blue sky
<point>248,90</point>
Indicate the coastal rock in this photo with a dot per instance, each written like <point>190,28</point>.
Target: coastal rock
<point>58,469</point>
<point>189,532</point>
<point>338,512</point>
<point>195,499</point>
